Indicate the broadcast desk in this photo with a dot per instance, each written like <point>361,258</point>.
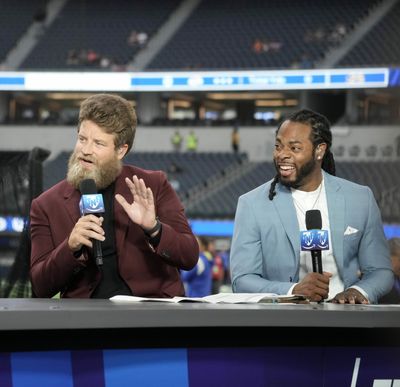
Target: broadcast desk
<point>198,344</point>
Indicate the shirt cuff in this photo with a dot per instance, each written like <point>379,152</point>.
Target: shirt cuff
<point>362,291</point>
<point>289,293</point>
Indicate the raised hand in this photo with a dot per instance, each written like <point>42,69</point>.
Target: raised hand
<point>142,210</point>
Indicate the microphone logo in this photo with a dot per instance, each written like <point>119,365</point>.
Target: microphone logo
<point>307,240</point>
<point>322,239</point>
<point>314,240</point>
<point>91,204</point>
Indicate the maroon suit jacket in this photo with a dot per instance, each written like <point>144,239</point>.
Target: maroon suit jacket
<point>147,272</point>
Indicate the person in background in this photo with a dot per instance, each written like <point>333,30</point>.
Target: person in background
<point>265,251</point>
<point>393,297</point>
<point>218,272</point>
<point>224,254</point>
<point>197,281</point>
<point>235,140</point>
<point>191,142</point>
<point>176,141</point>
<point>145,237</point>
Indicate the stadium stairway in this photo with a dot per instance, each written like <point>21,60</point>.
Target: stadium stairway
<point>32,36</point>
<point>164,34</point>
<point>370,50</point>
<point>215,184</point>
<point>333,57</point>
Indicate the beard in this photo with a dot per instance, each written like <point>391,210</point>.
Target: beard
<point>302,173</point>
<point>103,175</point>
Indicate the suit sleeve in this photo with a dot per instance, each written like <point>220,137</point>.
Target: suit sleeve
<point>52,266</point>
<point>246,258</point>
<point>178,246</point>
<point>377,275</point>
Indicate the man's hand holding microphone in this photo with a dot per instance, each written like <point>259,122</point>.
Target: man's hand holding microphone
<point>88,230</point>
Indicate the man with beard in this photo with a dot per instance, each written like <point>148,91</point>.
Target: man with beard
<point>265,252</point>
<point>144,234</point>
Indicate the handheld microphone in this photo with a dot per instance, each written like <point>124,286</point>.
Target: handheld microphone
<point>92,203</point>
<point>314,239</point>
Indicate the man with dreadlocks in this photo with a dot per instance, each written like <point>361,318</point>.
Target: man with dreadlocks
<point>265,251</point>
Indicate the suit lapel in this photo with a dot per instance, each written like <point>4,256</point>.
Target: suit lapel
<point>71,197</point>
<point>336,204</point>
<point>284,205</point>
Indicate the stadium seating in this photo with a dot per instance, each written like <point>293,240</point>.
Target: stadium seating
<point>196,171</point>
<point>16,17</point>
<point>371,51</point>
<point>382,177</point>
<point>217,35</point>
<point>184,170</point>
<point>102,26</point>
<point>55,169</point>
<point>222,203</point>
<point>225,33</point>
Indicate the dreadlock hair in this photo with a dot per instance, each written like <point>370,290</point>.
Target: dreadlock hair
<point>320,133</point>
<point>272,191</point>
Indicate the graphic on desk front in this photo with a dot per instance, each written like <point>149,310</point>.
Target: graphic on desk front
<point>199,367</point>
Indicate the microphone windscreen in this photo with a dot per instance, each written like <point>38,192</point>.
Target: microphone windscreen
<point>88,187</point>
<point>313,220</point>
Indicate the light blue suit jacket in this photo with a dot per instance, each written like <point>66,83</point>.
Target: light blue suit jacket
<point>265,251</point>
